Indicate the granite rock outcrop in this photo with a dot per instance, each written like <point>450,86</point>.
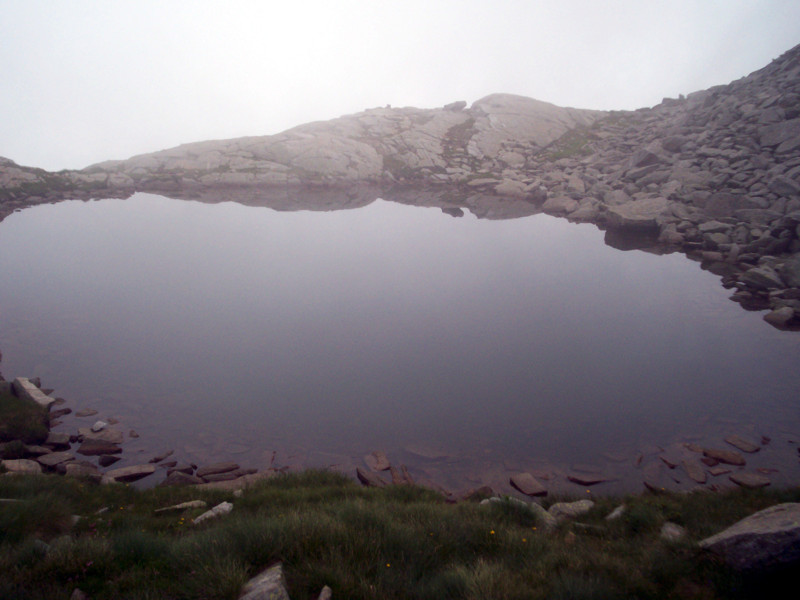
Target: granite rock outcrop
<point>715,174</point>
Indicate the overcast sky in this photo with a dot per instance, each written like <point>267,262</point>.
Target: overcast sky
<point>86,81</point>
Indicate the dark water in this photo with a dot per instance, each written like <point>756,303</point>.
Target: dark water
<point>233,332</point>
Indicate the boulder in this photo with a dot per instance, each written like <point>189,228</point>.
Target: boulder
<point>780,316</point>
<point>97,448</point>
<point>109,434</point>
<point>369,478</point>
<point>270,584</point>
<point>637,214</point>
<point>570,510</point>
<point>559,205</point>
<point>761,278</point>
<point>22,466</point>
<point>763,541</point>
<point>25,388</point>
<point>377,461</point>
<point>55,458</point>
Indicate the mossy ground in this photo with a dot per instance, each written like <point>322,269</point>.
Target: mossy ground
<point>397,542</point>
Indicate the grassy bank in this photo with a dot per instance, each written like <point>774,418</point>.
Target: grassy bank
<point>396,542</point>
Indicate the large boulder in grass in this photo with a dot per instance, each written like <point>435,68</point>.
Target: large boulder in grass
<point>270,584</point>
<point>766,540</point>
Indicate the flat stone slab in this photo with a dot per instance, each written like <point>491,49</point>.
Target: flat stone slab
<point>695,471</point>
<point>769,538</point>
<point>97,448</point>
<point>133,473</point>
<point>428,452</point>
<point>24,388</point>
<point>86,412</point>
<point>528,484</point>
<point>750,480</point>
<point>742,444</point>
<point>57,440</point>
<point>216,468</point>
<point>586,478</point>
<point>178,478</point>
<point>55,458</point>
<point>729,457</point>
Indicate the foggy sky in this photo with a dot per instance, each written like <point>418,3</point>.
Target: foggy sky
<point>86,81</point>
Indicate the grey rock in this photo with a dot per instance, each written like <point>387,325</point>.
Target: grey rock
<point>377,461</point>
<point>57,440</point>
<point>55,458</point>
<point>223,508</point>
<point>22,466</point>
<point>216,469</point>
<point>637,214</point>
<point>132,473</point>
<point>780,316</point>
<point>97,448</point>
<point>25,388</point>
<point>270,584</point>
<point>616,513</point>
<point>763,541</point>
<point>559,205</point>
<point>750,480</point>
<point>182,506</point>
<point>570,510</point>
<point>779,133</point>
<point>729,457</point>
<point>179,478</point>
<point>109,434</point>
<point>369,478</point>
<point>762,278</point>
<point>742,444</point>
<point>528,484</point>
<point>672,532</point>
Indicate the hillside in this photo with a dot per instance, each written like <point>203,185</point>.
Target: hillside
<point>715,175</point>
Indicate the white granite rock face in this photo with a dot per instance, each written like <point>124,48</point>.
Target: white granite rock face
<point>767,539</point>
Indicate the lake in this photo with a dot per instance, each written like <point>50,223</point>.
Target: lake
<point>465,348</point>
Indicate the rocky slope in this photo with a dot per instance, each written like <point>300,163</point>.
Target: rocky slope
<point>715,175</point>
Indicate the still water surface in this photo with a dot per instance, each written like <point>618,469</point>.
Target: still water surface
<point>234,332</point>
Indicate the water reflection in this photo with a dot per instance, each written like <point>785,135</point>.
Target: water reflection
<point>308,335</point>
